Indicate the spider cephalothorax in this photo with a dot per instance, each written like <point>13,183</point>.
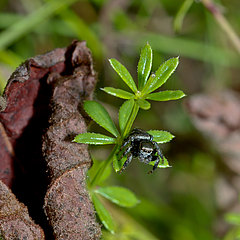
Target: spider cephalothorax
<point>139,144</point>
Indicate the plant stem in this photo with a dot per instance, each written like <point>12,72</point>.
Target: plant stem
<point>115,149</point>
<point>131,119</point>
<point>223,23</point>
<point>103,167</point>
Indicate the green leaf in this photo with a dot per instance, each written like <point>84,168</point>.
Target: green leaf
<point>103,214</point>
<point>161,75</point>
<point>233,218</point>
<point>99,114</point>
<point>124,113</point>
<point>118,163</point>
<point>161,136</point>
<point>94,138</point>
<point>143,104</point>
<point>144,65</point>
<point>166,95</point>
<point>95,168</point>
<point>118,92</point>
<point>123,73</point>
<point>118,195</point>
<point>163,164</point>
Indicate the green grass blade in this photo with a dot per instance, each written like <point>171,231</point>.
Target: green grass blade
<point>7,19</point>
<point>3,83</point>
<point>118,92</point>
<point>27,24</point>
<point>185,47</point>
<point>161,75</point>
<point>144,66</point>
<point>10,58</point>
<point>118,195</point>
<point>99,114</point>
<point>161,136</point>
<point>94,138</point>
<point>124,113</point>
<point>178,21</point>
<point>123,73</point>
<point>166,95</point>
<point>103,214</point>
<point>83,31</point>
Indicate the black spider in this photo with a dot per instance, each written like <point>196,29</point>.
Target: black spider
<point>141,146</point>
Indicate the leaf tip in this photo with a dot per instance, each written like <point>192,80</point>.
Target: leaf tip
<point>111,60</point>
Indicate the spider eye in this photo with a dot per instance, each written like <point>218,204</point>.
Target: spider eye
<point>147,148</point>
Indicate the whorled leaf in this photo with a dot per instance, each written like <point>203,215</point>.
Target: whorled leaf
<point>143,104</point>
<point>103,214</point>
<point>99,114</point>
<point>166,95</point>
<point>94,138</point>
<point>124,113</point>
<point>161,75</point>
<point>123,73</point>
<point>118,195</point>
<point>161,136</point>
<point>118,92</point>
<point>144,65</point>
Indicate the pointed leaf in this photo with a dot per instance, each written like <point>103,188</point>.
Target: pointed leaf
<point>99,114</point>
<point>103,214</point>
<point>118,92</point>
<point>123,73</point>
<point>118,163</point>
<point>161,75</point>
<point>118,195</point>
<point>124,113</point>
<point>161,136</point>
<point>163,164</point>
<point>144,65</point>
<point>166,95</point>
<point>143,104</point>
<point>94,138</point>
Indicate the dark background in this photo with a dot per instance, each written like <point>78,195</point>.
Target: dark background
<point>190,200</point>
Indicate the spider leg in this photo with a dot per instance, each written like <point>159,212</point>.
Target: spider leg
<point>126,151</point>
<point>155,164</point>
<point>158,150</point>
<point>126,142</point>
<point>129,159</point>
<point>160,155</point>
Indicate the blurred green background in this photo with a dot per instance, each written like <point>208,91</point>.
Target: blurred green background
<point>179,203</point>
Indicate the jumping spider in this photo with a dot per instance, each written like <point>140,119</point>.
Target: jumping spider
<point>141,146</point>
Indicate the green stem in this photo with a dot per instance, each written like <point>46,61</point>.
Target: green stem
<point>131,119</point>
<point>103,167</point>
<point>116,148</point>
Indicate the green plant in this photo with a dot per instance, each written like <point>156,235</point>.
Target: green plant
<point>234,232</point>
<point>135,100</point>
